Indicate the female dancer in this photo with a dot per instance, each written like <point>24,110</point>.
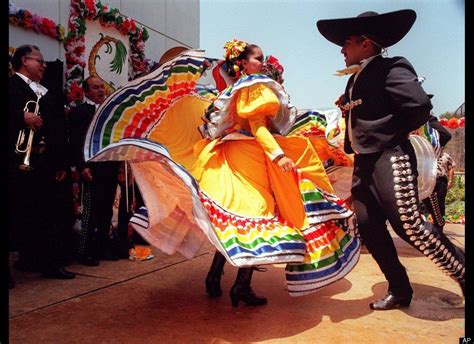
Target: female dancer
<point>267,195</point>
<point>260,197</point>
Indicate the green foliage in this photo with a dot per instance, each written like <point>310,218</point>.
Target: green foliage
<point>455,210</point>
<point>455,207</point>
<point>457,191</point>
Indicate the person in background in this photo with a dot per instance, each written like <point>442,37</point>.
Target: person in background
<point>35,169</point>
<point>444,181</point>
<point>439,136</point>
<point>384,103</point>
<point>99,181</point>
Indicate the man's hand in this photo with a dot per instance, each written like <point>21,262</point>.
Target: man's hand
<point>32,121</point>
<point>87,174</point>
<point>61,175</point>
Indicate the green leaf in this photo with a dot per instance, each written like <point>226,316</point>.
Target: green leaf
<point>119,58</point>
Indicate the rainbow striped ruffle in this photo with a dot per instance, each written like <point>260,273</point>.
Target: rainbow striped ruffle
<point>135,109</point>
<point>314,125</point>
<point>331,251</point>
<point>254,241</point>
<point>309,123</point>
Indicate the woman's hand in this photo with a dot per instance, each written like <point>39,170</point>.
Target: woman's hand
<point>286,164</point>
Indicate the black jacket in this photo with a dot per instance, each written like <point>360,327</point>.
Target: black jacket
<point>393,103</point>
<point>80,117</point>
<point>53,131</point>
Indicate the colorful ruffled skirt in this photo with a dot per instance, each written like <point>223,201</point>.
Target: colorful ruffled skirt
<point>226,190</point>
<point>261,215</point>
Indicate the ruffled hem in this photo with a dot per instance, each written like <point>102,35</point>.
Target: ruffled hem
<point>331,251</point>
<point>254,241</point>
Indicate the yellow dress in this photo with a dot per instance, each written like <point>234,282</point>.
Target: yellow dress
<point>262,215</point>
<point>226,188</point>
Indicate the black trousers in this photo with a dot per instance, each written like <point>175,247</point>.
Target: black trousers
<point>39,229</point>
<point>384,187</point>
<point>98,200</point>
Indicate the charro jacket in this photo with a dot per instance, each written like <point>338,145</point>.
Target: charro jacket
<point>53,132</point>
<point>388,103</point>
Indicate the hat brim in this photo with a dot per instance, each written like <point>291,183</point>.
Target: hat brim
<point>388,28</point>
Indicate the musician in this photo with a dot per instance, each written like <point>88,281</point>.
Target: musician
<point>385,102</point>
<point>33,231</point>
<point>100,181</point>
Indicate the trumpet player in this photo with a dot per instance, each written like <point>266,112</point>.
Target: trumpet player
<point>33,230</point>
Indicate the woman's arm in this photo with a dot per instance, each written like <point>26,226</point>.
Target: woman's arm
<point>269,145</point>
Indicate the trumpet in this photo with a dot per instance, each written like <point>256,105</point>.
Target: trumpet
<point>28,133</point>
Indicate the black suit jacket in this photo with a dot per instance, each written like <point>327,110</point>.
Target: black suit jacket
<point>393,103</point>
<point>80,118</point>
<point>53,131</point>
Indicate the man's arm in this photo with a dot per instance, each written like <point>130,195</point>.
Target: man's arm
<point>410,101</point>
<point>451,166</point>
<point>444,134</point>
<point>450,177</point>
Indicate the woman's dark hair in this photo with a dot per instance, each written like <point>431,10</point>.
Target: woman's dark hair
<point>230,63</point>
<point>21,51</point>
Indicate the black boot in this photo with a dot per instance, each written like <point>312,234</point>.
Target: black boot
<point>241,290</point>
<point>213,279</point>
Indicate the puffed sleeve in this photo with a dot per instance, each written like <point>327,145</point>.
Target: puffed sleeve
<point>255,100</point>
<point>256,103</point>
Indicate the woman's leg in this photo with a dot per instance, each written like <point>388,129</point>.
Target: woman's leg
<point>241,290</point>
<point>213,279</point>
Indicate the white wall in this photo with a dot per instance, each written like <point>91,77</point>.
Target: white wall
<point>170,23</point>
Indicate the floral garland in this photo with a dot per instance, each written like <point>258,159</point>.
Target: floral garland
<point>82,10</point>
<point>453,122</point>
<point>28,21</point>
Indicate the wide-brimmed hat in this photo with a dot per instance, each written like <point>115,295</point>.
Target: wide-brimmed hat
<point>385,29</point>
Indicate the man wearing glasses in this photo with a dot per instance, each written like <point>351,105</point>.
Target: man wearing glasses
<point>33,230</point>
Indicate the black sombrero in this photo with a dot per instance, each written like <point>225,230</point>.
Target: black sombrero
<point>385,29</point>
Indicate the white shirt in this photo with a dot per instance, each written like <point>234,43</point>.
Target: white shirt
<point>88,101</point>
<point>444,164</point>
<point>35,86</point>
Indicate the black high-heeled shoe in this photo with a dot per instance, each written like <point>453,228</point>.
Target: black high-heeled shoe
<point>246,295</point>
<point>241,290</point>
<point>213,279</point>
